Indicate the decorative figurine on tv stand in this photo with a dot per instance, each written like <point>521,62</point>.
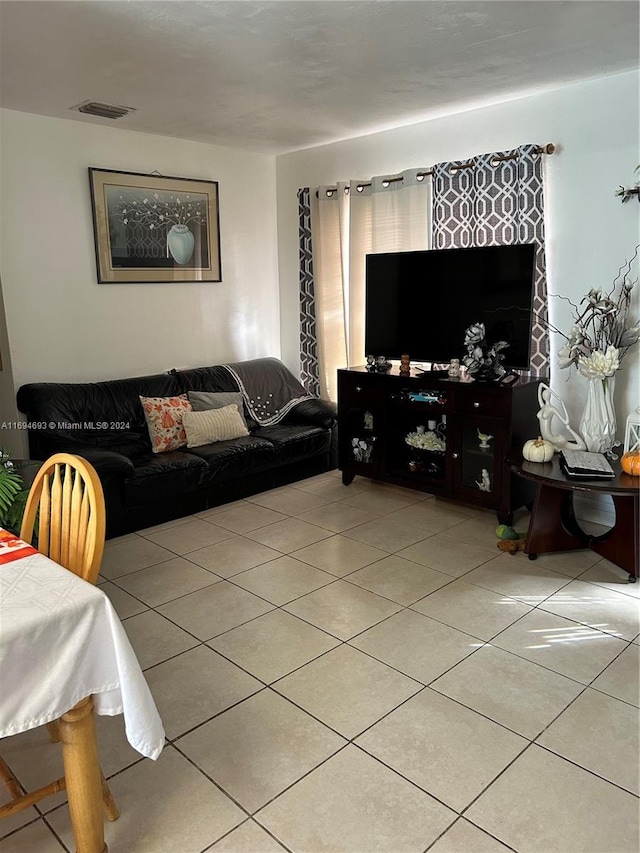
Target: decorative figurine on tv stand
<point>405,365</point>
<point>483,363</point>
<point>382,365</point>
<point>484,483</point>
<point>484,439</point>
<point>454,369</point>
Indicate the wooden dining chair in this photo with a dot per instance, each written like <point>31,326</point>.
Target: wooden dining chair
<point>65,519</point>
<point>67,500</point>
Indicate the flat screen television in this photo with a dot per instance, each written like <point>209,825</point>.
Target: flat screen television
<point>421,303</point>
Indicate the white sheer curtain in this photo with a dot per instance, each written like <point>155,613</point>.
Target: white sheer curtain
<point>330,230</point>
<point>387,214</point>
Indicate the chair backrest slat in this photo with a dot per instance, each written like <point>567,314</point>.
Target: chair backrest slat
<point>65,520</point>
<point>55,550</point>
<point>81,524</point>
<point>44,519</point>
<point>75,519</point>
<point>68,501</point>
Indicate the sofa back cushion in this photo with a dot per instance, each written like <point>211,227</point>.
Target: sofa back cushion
<point>107,415</point>
<point>212,379</point>
<point>203,401</point>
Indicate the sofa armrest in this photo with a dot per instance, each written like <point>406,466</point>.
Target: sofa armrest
<point>316,412</point>
<point>105,461</point>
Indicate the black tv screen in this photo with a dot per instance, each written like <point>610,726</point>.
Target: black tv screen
<point>420,303</point>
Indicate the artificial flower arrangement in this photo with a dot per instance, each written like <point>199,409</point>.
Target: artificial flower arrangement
<point>600,337</point>
<point>483,361</point>
<point>602,332</point>
<point>362,449</point>
<point>425,441</point>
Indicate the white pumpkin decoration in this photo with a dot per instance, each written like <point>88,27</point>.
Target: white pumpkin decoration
<point>538,450</point>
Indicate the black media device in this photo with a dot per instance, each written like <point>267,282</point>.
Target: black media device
<point>421,303</point>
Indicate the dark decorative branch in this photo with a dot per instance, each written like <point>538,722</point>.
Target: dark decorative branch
<point>627,194</point>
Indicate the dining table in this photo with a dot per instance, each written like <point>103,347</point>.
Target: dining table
<point>64,655</point>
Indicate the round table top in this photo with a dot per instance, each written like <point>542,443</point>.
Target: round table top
<point>551,474</point>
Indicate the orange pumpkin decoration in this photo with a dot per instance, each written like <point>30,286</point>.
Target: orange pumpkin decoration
<point>631,462</point>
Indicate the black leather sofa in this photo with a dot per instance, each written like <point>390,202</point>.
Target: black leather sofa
<point>104,422</point>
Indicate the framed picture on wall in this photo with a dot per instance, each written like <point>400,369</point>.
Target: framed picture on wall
<point>151,228</point>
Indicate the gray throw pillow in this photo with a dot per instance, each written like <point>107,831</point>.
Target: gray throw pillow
<point>202,401</point>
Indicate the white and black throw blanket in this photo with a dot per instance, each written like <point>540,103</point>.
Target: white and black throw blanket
<point>269,394</point>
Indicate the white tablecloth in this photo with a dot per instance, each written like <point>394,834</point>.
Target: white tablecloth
<point>61,640</point>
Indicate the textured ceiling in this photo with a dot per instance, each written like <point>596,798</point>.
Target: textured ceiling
<point>277,76</point>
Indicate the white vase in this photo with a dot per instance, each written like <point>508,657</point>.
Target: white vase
<point>598,422</point>
<point>180,243</point>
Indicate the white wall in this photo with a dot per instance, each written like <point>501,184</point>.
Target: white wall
<point>63,325</point>
<point>595,126</point>
<point>11,439</point>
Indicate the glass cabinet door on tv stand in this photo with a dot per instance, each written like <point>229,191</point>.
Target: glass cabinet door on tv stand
<point>477,454</point>
<point>361,425</point>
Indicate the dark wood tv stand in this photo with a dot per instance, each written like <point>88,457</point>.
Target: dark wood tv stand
<point>376,413</point>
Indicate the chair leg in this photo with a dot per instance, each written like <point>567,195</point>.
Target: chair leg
<point>54,731</point>
<point>22,800</point>
<point>109,806</point>
<point>17,804</point>
<point>19,799</point>
<point>10,782</point>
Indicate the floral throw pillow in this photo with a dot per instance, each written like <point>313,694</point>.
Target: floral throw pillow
<point>164,421</point>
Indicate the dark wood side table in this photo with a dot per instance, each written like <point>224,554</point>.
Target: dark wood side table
<point>553,526</point>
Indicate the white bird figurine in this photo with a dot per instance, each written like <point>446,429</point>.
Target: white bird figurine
<point>484,439</point>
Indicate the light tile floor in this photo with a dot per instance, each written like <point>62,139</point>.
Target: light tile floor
<point>358,669</point>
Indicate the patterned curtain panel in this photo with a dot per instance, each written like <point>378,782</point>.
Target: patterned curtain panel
<point>309,372</point>
<point>497,199</point>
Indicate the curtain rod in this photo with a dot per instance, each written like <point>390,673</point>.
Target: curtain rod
<point>549,148</point>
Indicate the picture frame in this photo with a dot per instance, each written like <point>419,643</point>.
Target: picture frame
<point>154,228</point>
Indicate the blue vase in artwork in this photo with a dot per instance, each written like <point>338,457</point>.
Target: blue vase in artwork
<point>180,242</point>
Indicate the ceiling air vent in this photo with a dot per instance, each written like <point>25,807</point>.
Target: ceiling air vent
<point>95,108</point>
